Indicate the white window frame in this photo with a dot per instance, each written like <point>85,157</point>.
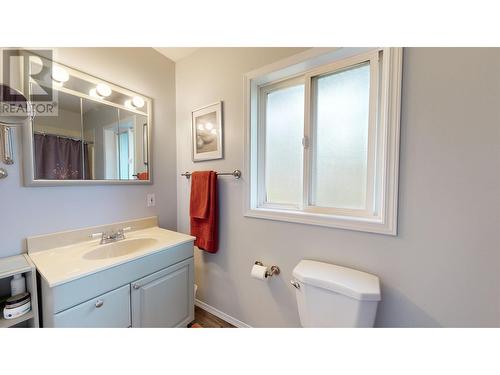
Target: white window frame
<point>384,124</point>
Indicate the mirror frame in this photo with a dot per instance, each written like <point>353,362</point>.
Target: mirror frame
<point>28,144</point>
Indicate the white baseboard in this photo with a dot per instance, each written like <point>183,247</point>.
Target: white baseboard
<point>228,318</point>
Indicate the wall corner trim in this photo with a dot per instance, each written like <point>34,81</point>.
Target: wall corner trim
<point>228,318</point>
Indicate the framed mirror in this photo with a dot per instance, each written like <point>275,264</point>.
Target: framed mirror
<point>98,132</point>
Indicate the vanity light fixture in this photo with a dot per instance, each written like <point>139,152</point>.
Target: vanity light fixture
<point>137,102</point>
<point>59,75</point>
<point>103,90</point>
<point>100,91</point>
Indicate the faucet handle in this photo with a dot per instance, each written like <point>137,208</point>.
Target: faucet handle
<point>122,231</point>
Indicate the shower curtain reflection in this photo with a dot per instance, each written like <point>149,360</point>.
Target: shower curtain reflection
<point>61,158</point>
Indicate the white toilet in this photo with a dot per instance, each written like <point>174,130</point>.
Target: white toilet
<point>334,296</point>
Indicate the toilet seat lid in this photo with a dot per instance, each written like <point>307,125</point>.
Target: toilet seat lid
<point>353,283</point>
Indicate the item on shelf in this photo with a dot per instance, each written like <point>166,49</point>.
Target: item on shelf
<point>17,305</point>
<point>17,285</point>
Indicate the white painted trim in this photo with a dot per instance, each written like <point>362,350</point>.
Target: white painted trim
<point>300,63</point>
<point>228,318</point>
<point>394,66</point>
<point>360,224</point>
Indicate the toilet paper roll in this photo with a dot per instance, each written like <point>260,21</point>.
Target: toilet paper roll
<point>258,272</point>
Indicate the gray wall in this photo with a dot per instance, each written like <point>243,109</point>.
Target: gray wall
<point>30,211</point>
<point>441,269</point>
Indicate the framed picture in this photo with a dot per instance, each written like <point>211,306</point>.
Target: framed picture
<point>207,132</point>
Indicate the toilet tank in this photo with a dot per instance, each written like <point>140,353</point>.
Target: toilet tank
<point>333,296</point>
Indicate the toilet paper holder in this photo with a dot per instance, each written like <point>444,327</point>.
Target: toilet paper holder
<point>273,270</point>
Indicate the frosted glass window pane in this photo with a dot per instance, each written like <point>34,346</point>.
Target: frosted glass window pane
<point>341,153</point>
<point>284,132</point>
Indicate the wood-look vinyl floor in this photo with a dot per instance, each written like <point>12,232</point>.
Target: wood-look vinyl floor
<point>207,320</point>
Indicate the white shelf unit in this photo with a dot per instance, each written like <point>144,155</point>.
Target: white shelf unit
<point>21,264</point>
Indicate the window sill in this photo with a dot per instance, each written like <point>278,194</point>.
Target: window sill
<point>371,225</point>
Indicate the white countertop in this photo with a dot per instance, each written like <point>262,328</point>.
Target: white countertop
<point>62,264</point>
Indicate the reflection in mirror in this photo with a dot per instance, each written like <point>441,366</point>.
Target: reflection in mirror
<point>132,146</point>
<point>100,129</point>
<point>117,144</point>
<point>59,153</point>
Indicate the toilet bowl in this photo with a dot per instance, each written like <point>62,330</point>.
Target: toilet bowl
<point>333,296</point>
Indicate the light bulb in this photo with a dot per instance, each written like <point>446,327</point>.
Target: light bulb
<point>93,93</point>
<point>103,90</point>
<point>209,126</point>
<point>128,104</point>
<point>59,74</point>
<point>137,102</point>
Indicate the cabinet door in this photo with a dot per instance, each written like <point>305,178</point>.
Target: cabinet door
<point>164,298</point>
<point>110,310</point>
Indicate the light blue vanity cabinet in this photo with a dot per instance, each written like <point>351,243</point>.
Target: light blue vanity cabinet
<point>110,310</point>
<point>163,298</point>
<point>156,290</point>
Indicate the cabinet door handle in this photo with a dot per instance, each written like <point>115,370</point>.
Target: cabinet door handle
<point>99,303</point>
<point>136,286</point>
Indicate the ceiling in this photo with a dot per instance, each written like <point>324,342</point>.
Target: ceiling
<point>176,53</point>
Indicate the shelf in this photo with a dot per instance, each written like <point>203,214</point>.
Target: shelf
<point>5,323</point>
<point>14,265</point>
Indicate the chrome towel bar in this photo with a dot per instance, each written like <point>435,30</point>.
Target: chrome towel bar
<point>236,174</point>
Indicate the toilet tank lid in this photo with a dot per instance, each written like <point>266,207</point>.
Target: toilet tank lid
<point>356,284</point>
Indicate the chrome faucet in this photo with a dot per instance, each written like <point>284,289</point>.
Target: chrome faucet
<point>111,236</point>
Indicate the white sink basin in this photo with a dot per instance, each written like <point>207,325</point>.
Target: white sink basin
<point>120,248</point>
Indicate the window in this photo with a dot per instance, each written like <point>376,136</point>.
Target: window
<point>323,139</point>
<point>284,130</point>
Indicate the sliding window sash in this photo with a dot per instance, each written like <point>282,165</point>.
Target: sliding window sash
<point>310,128</point>
<point>264,91</point>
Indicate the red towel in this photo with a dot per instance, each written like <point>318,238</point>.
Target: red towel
<point>203,210</point>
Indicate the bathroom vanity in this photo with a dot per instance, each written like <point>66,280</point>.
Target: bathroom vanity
<point>144,280</point>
